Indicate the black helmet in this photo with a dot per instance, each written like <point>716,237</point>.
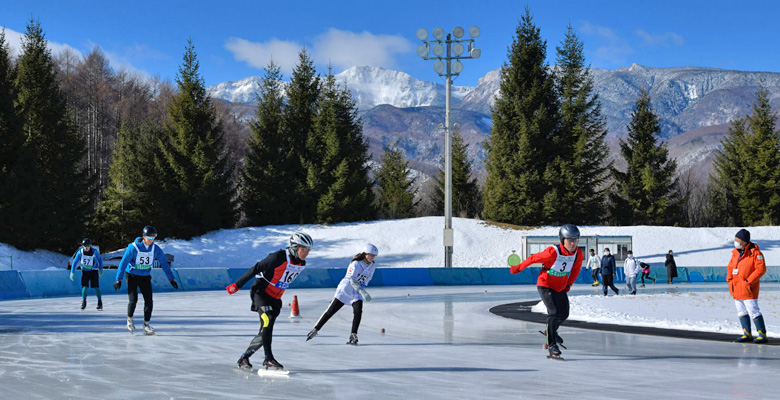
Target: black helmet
<point>150,231</point>
<point>568,231</point>
<point>86,242</point>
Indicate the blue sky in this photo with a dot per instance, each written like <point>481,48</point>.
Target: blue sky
<point>236,39</point>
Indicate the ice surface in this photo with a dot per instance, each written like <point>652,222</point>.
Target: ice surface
<point>439,343</point>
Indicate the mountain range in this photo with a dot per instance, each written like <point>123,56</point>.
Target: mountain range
<point>694,105</point>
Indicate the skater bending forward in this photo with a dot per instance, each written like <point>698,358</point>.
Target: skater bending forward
<point>273,276</point>
<point>351,290</point>
<point>561,266</point>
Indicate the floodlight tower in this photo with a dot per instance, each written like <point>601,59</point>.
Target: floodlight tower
<point>443,50</point>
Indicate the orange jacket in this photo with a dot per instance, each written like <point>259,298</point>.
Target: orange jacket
<point>547,257</point>
<point>745,271</point>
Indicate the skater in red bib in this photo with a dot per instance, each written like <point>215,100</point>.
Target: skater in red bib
<point>561,266</point>
<point>273,276</point>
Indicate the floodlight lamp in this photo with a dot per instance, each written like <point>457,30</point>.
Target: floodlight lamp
<point>457,67</point>
<point>423,50</point>
<point>458,49</point>
<point>438,33</point>
<point>422,34</point>
<point>438,66</point>
<point>475,53</point>
<point>474,32</point>
<point>438,49</point>
<point>457,32</point>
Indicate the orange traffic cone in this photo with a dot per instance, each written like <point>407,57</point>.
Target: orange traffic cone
<point>295,312</point>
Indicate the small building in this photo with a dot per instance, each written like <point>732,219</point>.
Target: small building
<point>617,245</point>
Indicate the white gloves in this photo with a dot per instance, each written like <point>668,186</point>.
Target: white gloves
<point>72,275</point>
<point>365,295</point>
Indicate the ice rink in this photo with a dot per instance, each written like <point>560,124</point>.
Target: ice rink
<point>439,343</point>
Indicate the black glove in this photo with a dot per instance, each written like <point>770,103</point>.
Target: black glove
<point>174,284</point>
<point>117,285</point>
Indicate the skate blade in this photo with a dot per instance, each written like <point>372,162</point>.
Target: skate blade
<point>150,334</point>
<point>272,372</point>
<point>559,358</point>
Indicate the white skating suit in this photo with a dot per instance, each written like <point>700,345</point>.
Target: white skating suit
<point>359,272</point>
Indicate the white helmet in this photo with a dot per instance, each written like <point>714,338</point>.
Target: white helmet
<point>300,239</point>
<point>369,248</point>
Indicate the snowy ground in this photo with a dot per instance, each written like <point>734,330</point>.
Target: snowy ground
<point>417,242</point>
<point>439,343</point>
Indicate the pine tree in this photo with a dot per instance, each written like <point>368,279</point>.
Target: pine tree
<point>11,143</point>
<point>298,124</point>
<point>645,193</point>
<point>746,180</point>
<point>582,138</point>
<point>56,198</point>
<point>465,193</point>
<point>338,162</point>
<point>266,190</point>
<point>133,198</point>
<point>395,198</point>
<point>525,120</point>
<point>196,174</point>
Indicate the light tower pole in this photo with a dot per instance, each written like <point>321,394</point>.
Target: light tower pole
<point>445,50</point>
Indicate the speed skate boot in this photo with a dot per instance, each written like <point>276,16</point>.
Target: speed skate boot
<point>243,363</point>
<point>312,334</point>
<point>100,305</point>
<point>148,329</point>
<point>554,350</point>
<point>271,363</point>
<point>130,325</point>
<point>746,329</point>
<point>595,283</point>
<point>83,304</point>
<point>353,340</point>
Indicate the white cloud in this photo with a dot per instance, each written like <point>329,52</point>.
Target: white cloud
<point>14,40</point>
<point>342,49</point>
<point>611,48</point>
<point>663,39</point>
<point>283,53</point>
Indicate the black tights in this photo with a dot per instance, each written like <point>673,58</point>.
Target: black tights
<point>335,306</point>
<point>135,282</point>
<point>557,304</point>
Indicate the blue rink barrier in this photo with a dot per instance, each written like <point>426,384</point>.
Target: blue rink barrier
<point>49,283</point>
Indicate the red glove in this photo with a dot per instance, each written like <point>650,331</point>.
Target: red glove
<point>568,287</point>
<point>232,288</point>
<point>514,269</point>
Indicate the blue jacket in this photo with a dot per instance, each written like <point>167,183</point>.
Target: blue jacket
<point>128,263</point>
<point>608,265</point>
<point>92,252</point>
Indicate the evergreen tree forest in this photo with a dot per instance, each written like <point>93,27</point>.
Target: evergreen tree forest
<point>465,191</point>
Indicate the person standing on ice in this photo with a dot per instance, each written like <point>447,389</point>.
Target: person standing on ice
<point>561,266</point>
<point>631,268</point>
<point>351,290</point>
<point>273,276</point>
<point>594,264</point>
<point>136,265</point>
<point>608,272</point>
<point>91,263</point>
<point>743,274</point>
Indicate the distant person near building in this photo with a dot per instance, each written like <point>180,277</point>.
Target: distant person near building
<point>631,268</point>
<point>136,265</point>
<point>594,264</point>
<point>743,274</point>
<point>91,263</point>
<point>671,268</point>
<point>561,266</point>
<point>351,290</point>
<point>273,276</point>
<point>608,272</point>
<point>646,273</point>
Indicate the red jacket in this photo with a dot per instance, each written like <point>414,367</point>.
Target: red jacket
<point>749,267</point>
<point>548,257</point>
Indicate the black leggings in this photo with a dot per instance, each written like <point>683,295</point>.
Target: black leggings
<point>646,274</point>
<point>135,282</point>
<point>557,304</point>
<point>335,306</point>
<point>268,308</point>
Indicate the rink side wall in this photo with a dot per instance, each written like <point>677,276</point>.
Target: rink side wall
<point>51,283</point>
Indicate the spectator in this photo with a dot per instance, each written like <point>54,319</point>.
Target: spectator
<point>594,264</point>
<point>671,267</point>
<point>608,272</point>
<point>631,268</point>
<point>743,274</point>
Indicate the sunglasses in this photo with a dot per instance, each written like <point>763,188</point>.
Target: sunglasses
<point>150,237</point>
